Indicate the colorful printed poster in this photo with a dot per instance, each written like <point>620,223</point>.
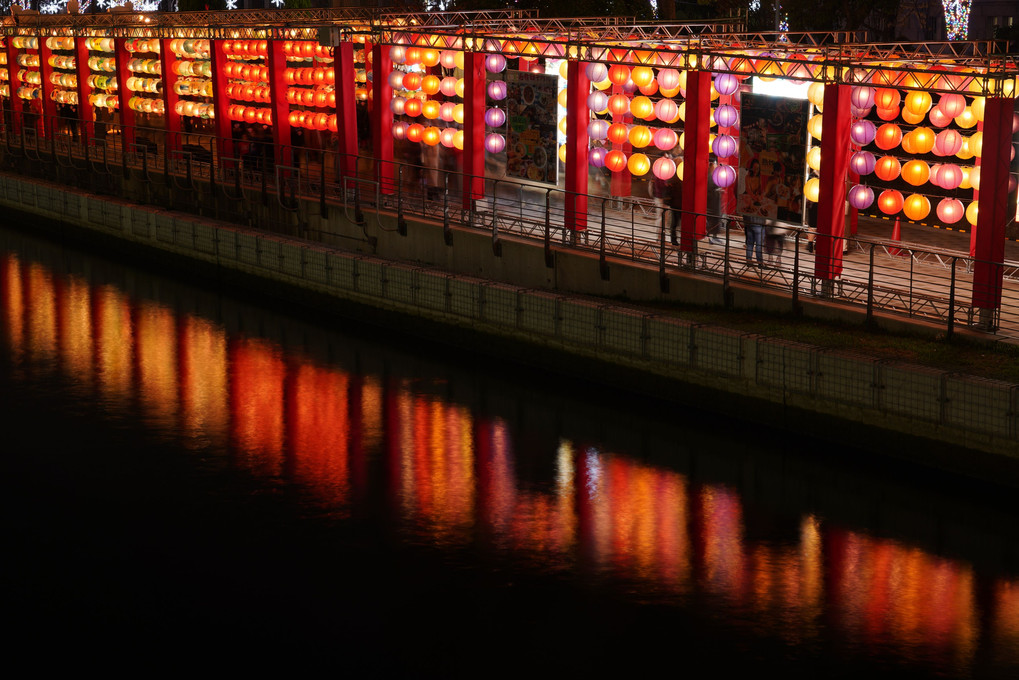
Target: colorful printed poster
<point>773,153</point>
<point>531,106</point>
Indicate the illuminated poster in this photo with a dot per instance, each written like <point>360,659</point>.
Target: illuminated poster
<point>531,105</point>
<point>772,156</point>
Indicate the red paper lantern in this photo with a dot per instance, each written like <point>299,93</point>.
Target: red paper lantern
<point>619,104</point>
<point>887,168</point>
<point>618,133</point>
<point>619,74</point>
<point>888,136</point>
<point>415,132</point>
<point>615,160</point>
<point>890,201</point>
<point>412,107</point>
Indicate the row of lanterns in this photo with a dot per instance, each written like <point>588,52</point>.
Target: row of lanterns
<point>193,65</point>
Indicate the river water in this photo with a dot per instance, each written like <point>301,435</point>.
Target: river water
<point>198,478</point>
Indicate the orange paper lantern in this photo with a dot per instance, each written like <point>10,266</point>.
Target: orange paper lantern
<point>916,173</point>
<point>916,207</point>
<point>890,201</point>
<point>888,136</point>
<point>887,168</point>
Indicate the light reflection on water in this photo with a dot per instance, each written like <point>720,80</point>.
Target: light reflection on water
<point>454,476</point>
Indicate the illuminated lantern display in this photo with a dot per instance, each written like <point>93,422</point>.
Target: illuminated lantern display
<point>726,116</point>
<point>950,210</point>
<point>495,117</point>
<point>642,108</point>
<point>495,63</point>
<point>812,189</point>
<point>887,168</point>
<point>724,146</point>
<point>862,97</point>
<point>815,94</point>
<point>976,143</point>
<point>430,57</point>
<point>859,113</point>
<point>430,109</point>
<point>814,126</point>
<point>923,140</point>
<point>642,76</point>
<point>666,139</point>
<point>431,136</point>
<point>446,111</point>
<point>618,133</point>
<point>412,107</point>
<point>619,74</point>
<point>888,114</point>
<point>458,113</point>
<point>887,98</point>
<point>649,89</point>
<point>971,213</point>
<point>889,202</point>
<point>447,86</point>
<point>814,158</point>
<point>912,118</point>
<point>447,137</point>
<point>668,79</point>
<point>596,73</point>
<point>615,160</point>
<point>974,177</point>
<point>596,157</point>
<point>398,54</point>
<point>950,176</point>
<point>916,172</point>
<point>918,103</point>
<point>967,119</point>
<point>638,165</point>
<point>861,197</point>
<point>412,55</point>
<point>965,152</point>
<point>863,132</point>
<point>597,101</point>
<point>411,81</point>
<point>430,85</point>
<point>494,142</point>
<point>458,138</point>
<point>947,143</point>
<point>664,168</point>
<point>415,132</point>
<point>448,59</point>
<point>619,104</point>
<point>562,153</point>
<point>888,136</point>
<point>396,80</point>
<point>916,207</point>
<point>496,90</point>
<point>640,136</point>
<point>598,129</point>
<point>952,105</point>
<point>723,176</point>
<point>667,111</point>
<point>726,83</point>
<point>863,163</point>
<point>937,118</point>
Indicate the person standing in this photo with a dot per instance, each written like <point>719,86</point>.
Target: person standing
<point>675,207</point>
<point>753,230</point>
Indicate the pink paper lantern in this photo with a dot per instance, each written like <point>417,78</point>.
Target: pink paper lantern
<point>723,176</point>
<point>668,78</point>
<point>495,63</point>
<point>947,143</point>
<point>724,146</point>
<point>399,130</point>
<point>862,133</point>
<point>497,90</point>
<point>666,110</point>
<point>666,139</point>
<point>597,101</point>
<point>950,176</point>
<point>598,129</point>
<point>726,83</point>
<point>950,210</point>
<point>596,156</point>
<point>448,137</point>
<point>397,105</point>
<point>664,168</point>
<point>952,105</point>
<point>447,86</point>
<point>495,117</point>
<point>494,142</point>
<point>862,163</point>
<point>596,73</point>
<point>448,59</point>
<point>937,118</point>
<point>861,197</point>
<point>858,112</point>
<point>862,97</point>
<point>726,116</point>
<point>446,111</point>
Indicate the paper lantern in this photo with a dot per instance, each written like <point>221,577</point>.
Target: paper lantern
<point>495,117</point>
<point>447,137</point>
<point>615,160</point>
<point>618,133</point>
<point>412,55</point>
<point>726,83</point>
<point>888,114</point>
<point>971,213</point>
<point>398,54</point>
<point>950,210</point>
<point>726,116</point>
<point>912,118</point>
<point>862,133</point>
<point>815,94</point>
<point>642,108</point>
<point>888,136</point>
<point>967,119</point>
<point>812,189</point>
<point>430,85</point>
<point>666,110</point>
<point>974,177</point>
<point>887,168</point>
<point>887,98</point>
<point>668,78</point>
<point>596,156</point>
<point>638,164</point>
<point>937,118</point>
<point>889,202</point>
<point>458,113</point>
<point>923,140</point>
<point>664,168</point>
<point>918,102</point>
<point>916,172</point>
<point>723,176</point>
<point>497,90</point>
<point>863,163</point>
<point>562,153</point>
<point>860,113</point>
<point>976,143</point>
<point>596,72</point>
<point>447,86</point>
<point>598,129</point>
<point>412,107</point>
<point>861,197</point>
<point>965,152</point>
<point>430,136</point>
<point>862,97</point>
<point>411,81</point>
<point>597,101</point>
<point>642,76</point>
<point>415,132</point>
<point>446,111</point>
<point>458,138</point>
<point>952,105</point>
<point>395,80</point>
<point>814,126</point>
<point>950,176</point>
<point>814,158</point>
<point>666,139</point>
<point>916,207</point>
<point>619,74</point>
<point>640,136</point>
<point>602,84</point>
<point>495,63</point>
<point>430,109</point>
<point>649,89</point>
<point>619,104</point>
<point>494,142</point>
<point>947,143</point>
<point>448,59</point>
<point>724,146</point>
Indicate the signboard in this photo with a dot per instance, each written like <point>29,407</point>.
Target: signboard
<point>773,153</point>
<point>531,106</point>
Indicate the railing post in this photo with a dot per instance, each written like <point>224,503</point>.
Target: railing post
<point>951,302</point>
<point>323,209</point>
<point>447,233</point>
<point>548,228</point>
<point>727,296</point>
<point>663,280</point>
<point>401,223</point>
<point>603,265</point>
<point>496,242</point>
<point>870,287</point>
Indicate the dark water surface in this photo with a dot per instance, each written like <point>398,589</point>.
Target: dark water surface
<point>192,479</point>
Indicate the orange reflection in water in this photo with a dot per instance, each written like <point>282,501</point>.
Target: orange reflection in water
<point>204,382</point>
<point>114,345</point>
<point>156,358</point>
<point>14,304</point>
<point>41,327</point>
<point>77,339</point>
<point>318,429</point>
<point>257,371</point>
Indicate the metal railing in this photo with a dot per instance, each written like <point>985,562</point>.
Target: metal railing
<point>248,186</point>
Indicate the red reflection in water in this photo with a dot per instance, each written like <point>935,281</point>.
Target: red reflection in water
<point>317,427</point>
<point>256,405</point>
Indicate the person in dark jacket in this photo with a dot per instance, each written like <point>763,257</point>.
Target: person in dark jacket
<point>675,206</point>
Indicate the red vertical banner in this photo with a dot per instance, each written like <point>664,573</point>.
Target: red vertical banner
<point>170,98</point>
<point>17,106</point>
<point>346,108</point>
<point>474,128</point>
<point>127,119</point>
<point>836,122</point>
<point>49,105</point>
<point>695,158</point>
<point>382,118</point>
<point>992,216</point>
<point>221,102</point>
<point>577,116</point>
<point>276,61</point>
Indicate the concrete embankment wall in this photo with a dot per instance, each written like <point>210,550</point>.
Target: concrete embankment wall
<point>847,397</point>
